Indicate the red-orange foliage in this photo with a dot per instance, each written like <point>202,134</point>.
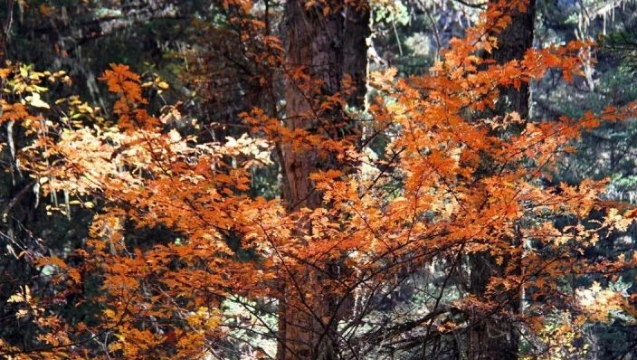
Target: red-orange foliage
<point>458,184</point>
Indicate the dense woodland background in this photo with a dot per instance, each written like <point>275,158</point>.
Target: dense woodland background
<point>226,79</point>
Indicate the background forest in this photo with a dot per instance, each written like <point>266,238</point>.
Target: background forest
<point>318,179</point>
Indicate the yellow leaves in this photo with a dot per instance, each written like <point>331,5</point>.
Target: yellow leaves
<point>383,80</point>
<point>257,150</point>
<point>24,296</point>
<point>156,83</point>
<point>599,302</point>
<point>109,313</point>
<point>203,318</point>
<point>28,304</point>
<point>35,101</point>
<point>581,199</point>
<point>615,221</point>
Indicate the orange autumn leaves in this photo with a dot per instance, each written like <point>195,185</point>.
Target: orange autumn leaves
<point>453,182</point>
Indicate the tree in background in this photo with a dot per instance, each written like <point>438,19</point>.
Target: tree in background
<point>490,339</point>
<point>326,65</point>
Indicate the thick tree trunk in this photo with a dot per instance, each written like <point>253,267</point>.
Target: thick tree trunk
<point>326,47</point>
<point>513,43</point>
<point>493,335</point>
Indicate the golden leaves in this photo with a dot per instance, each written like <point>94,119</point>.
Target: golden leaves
<point>28,304</point>
<point>599,303</point>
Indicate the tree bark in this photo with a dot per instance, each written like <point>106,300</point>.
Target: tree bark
<point>326,50</point>
<point>513,43</point>
<point>492,334</point>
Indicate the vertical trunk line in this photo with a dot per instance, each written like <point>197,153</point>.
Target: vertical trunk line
<point>323,46</point>
<point>493,337</point>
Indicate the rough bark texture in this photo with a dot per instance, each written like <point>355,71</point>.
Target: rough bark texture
<point>326,46</point>
<point>513,43</point>
<point>493,334</point>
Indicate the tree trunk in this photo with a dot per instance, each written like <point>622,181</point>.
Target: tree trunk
<point>493,335</point>
<point>513,43</point>
<point>326,49</point>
